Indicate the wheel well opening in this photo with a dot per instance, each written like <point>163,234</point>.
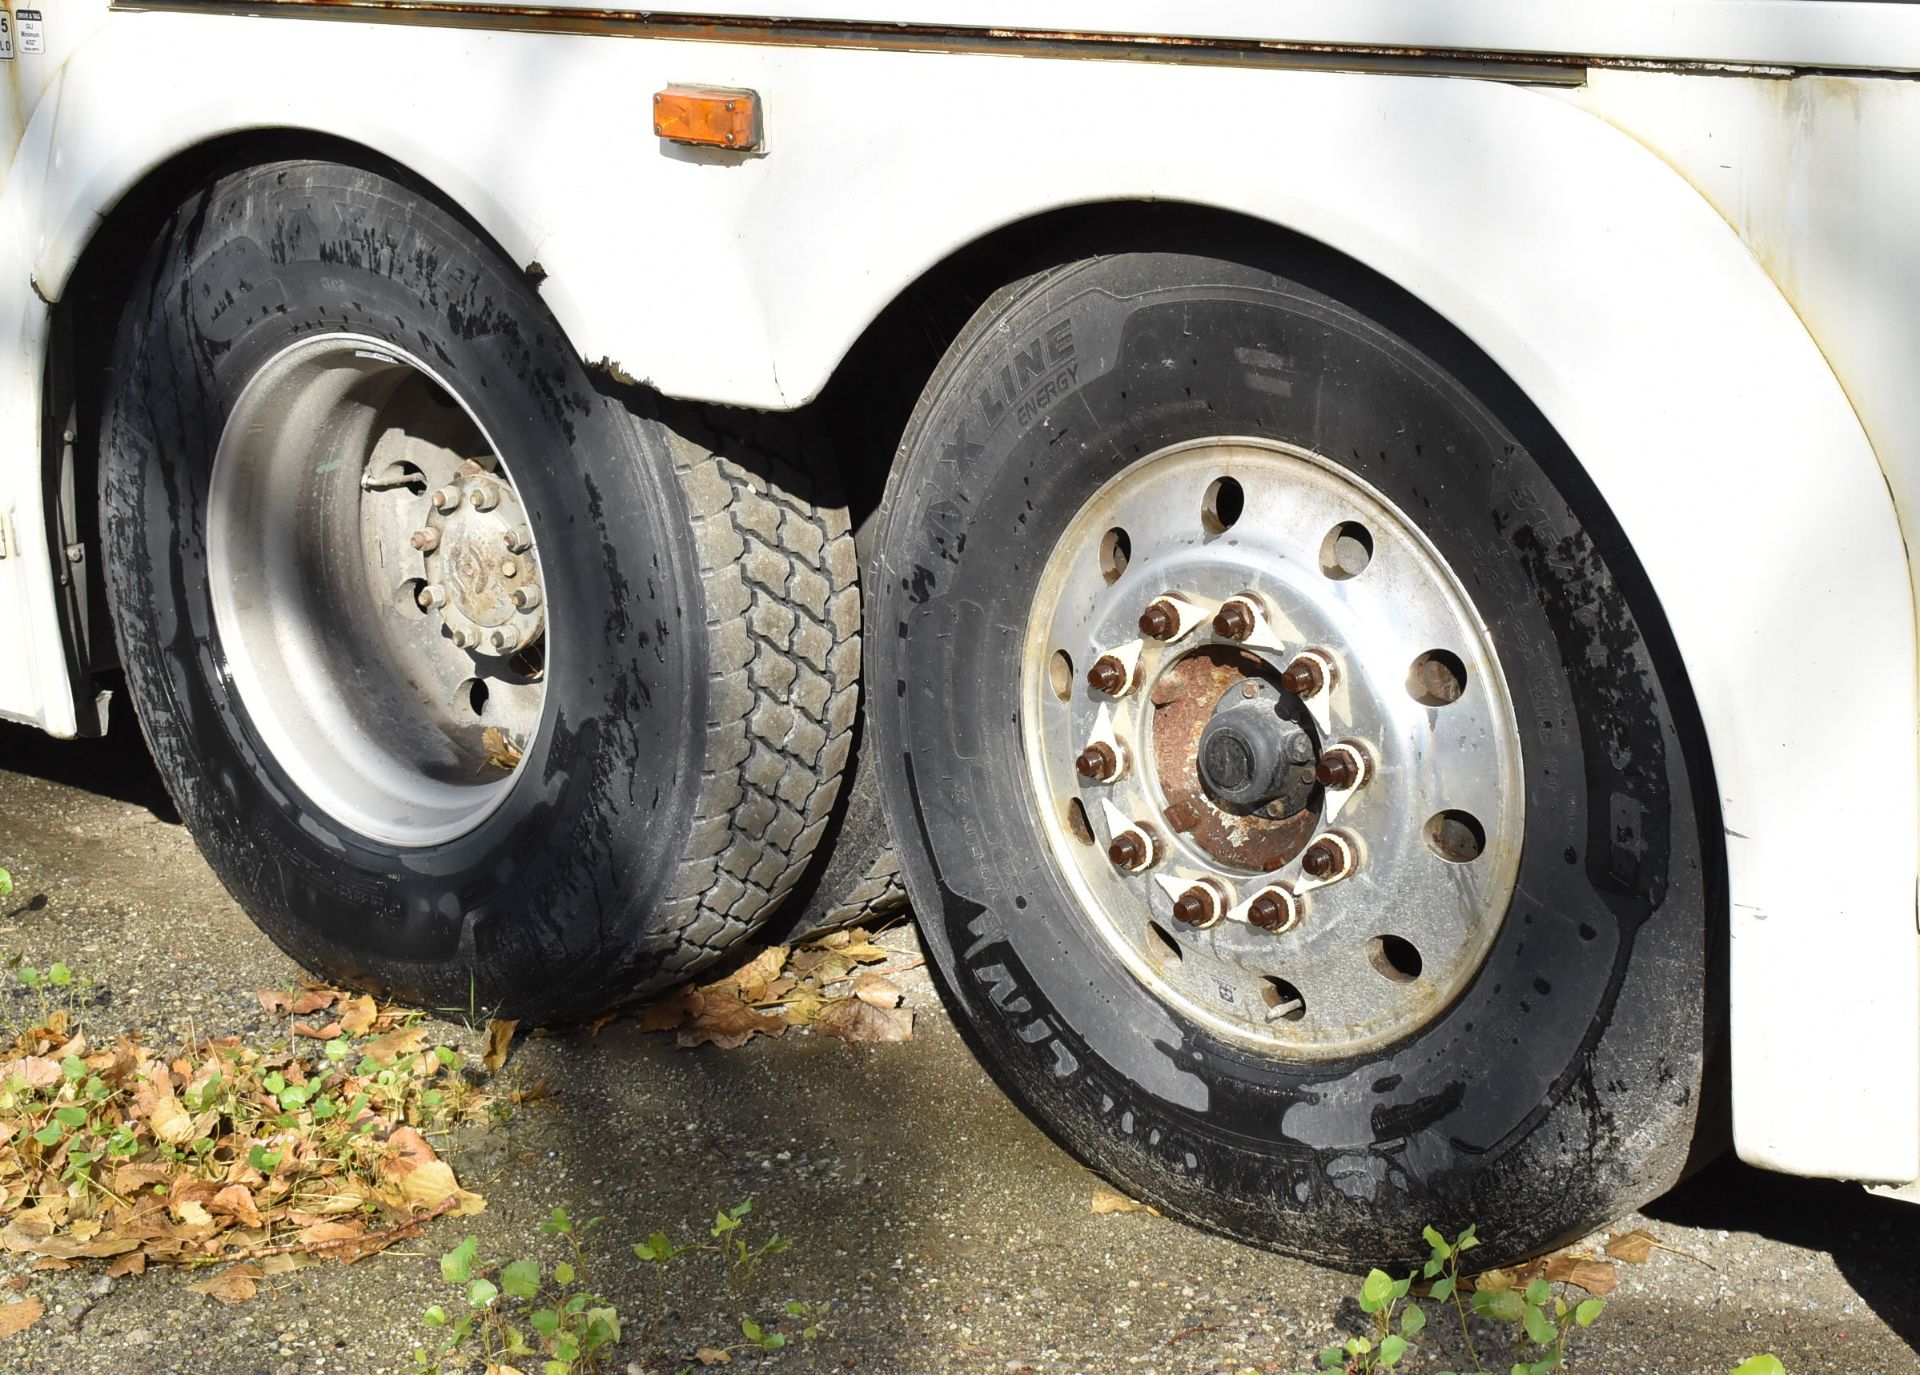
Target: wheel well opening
<point>873,391</point>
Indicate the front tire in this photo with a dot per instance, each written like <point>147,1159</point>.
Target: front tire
<point>1485,1001</point>
<point>476,683</point>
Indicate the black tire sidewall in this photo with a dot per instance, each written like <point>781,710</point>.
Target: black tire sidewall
<point>546,905</point>
<point>1476,1117</point>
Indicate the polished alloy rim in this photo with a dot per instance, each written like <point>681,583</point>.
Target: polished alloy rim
<point>376,590</point>
<point>1272,748</point>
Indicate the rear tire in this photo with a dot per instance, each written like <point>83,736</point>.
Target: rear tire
<point>1553,1083</point>
<point>540,825</point>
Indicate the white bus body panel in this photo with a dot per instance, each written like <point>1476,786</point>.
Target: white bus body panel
<point>1613,293</point>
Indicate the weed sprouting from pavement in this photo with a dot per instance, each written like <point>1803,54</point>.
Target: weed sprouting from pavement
<point>1538,1311</point>
<point>551,1313</point>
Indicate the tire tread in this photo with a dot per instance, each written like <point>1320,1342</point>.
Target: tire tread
<point>782,613</point>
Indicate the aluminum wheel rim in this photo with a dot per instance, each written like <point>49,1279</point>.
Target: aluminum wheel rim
<point>377,597</point>
<point>1431,830</point>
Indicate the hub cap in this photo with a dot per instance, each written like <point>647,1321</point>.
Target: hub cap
<point>376,590</point>
<point>1272,748</point>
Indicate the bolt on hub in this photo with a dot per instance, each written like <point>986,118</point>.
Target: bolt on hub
<point>1132,850</point>
<point>1099,762</point>
<point>1275,910</point>
<point>1198,903</point>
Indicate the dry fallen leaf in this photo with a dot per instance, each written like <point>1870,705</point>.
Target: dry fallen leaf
<point>712,1355</point>
<point>502,752</point>
<point>423,1178</point>
<point>18,1317</point>
<point>64,1248</point>
<point>318,1232</point>
<point>852,1020</point>
<point>236,1284</point>
<point>753,977</point>
<point>1633,1247</point>
<point>318,1033</point>
<point>499,1038</point>
<point>1595,1276</point>
<point>877,991</point>
<point>297,1004</point>
<point>38,1071</point>
<point>395,1044</point>
<point>1105,1200</point>
<point>132,1263</point>
<point>357,1014</point>
<point>171,1122</point>
<point>236,1201</point>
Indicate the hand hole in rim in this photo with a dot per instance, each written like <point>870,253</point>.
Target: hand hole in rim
<point>1437,678</point>
<point>1346,551</point>
<point>1060,675</point>
<point>1395,958</point>
<point>1116,552</point>
<point>1077,822</point>
<point>1285,1003</point>
<point>1163,945</point>
<point>1456,836</point>
<point>1224,502</point>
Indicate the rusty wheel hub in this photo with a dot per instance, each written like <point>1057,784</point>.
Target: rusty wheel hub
<point>1318,841</point>
<point>1212,767</point>
<point>482,576</point>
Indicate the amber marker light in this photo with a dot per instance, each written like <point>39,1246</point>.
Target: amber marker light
<point>708,117</point>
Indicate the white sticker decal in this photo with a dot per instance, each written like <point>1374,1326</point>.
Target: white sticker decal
<point>6,37</point>
<point>32,36</point>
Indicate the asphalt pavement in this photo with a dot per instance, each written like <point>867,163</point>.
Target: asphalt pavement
<point>947,1232</point>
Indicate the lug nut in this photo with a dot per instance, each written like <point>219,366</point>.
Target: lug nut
<point>1108,675</point>
<point>1328,858</point>
<point>518,540</point>
<point>1275,910</point>
<point>504,639</point>
<point>446,498</point>
<point>510,568</point>
<point>1098,761</point>
<point>1342,766</point>
<point>459,638</point>
<point>432,597</point>
<point>426,540</point>
<point>526,598</point>
<point>1131,850</point>
<point>484,497</point>
<point>1303,677</point>
<point>1199,906</point>
<point>1234,620</point>
<point>1161,620</point>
